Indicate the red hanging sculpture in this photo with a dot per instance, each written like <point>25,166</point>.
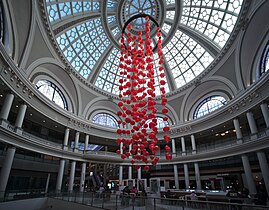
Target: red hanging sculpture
<point>137,90</point>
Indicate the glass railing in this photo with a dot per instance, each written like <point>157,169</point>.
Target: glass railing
<point>117,200</point>
<point>34,138</point>
<point>101,153</point>
<point>108,200</point>
<point>220,144</point>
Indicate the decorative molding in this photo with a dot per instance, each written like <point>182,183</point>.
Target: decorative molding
<point>79,124</point>
<point>243,102</point>
<point>18,82</point>
<point>181,130</point>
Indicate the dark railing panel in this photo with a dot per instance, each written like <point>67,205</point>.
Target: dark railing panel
<point>114,201</point>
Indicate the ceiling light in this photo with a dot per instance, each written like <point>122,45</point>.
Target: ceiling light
<point>17,106</point>
<point>226,131</point>
<point>217,134</point>
<point>31,114</point>
<point>44,121</point>
<point>222,134</point>
<point>1,95</point>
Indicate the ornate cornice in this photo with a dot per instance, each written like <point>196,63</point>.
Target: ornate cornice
<point>181,130</point>
<point>79,124</point>
<point>18,82</point>
<point>243,102</point>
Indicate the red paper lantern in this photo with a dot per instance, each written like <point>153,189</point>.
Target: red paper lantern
<point>146,168</point>
<point>137,88</point>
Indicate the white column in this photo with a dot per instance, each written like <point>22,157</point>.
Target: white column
<point>6,106</point>
<point>130,172</point>
<point>173,148</point>
<point>237,128</point>
<point>83,166</point>
<point>139,173</point>
<point>72,176</point>
<point>86,142</point>
<point>121,167</point>
<point>197,176</point>
<point>5,170</point>
<point>176,176</point>
<point>120,175</point>
<point>183,147</point>
<point>193,144</point>
<point>121,150</point>
<point>186,175</point>
<point>60,176</point>
<point>250,182</point>
<point>66,138</point>
<point>264,169</point>
<point>265,113</point>
<point>186,169</point>
<point>82,177</point>
<point>76,142</point>
<point>20,116</point>
<point>175,165</point>
<point>252,123</point>
<point>47,183</point>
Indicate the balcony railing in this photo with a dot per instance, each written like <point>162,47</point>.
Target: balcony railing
<point>108,200</point>
<point>201,148</point>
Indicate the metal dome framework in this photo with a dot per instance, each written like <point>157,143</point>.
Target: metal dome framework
<point>88,33</point>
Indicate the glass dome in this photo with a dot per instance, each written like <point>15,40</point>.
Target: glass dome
<point>194,33</point>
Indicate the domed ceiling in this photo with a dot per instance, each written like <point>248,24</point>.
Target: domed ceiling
<point>194,33</point>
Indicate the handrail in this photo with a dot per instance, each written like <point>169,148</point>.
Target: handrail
<point>57,149</point>
<point>108,200</point>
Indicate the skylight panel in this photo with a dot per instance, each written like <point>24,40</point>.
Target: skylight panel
<point>170,2</point>
<point>184,56</point>
<point>166,28</point>
<point>213,19</point>
<point>108,78</point>
<point>170,15</point>
<point>83,45</point>
<point>58,10</point>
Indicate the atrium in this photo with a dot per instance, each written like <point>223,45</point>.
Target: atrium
<point>60,89</point>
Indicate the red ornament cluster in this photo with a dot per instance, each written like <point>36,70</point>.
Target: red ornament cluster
<point>137,90</point>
